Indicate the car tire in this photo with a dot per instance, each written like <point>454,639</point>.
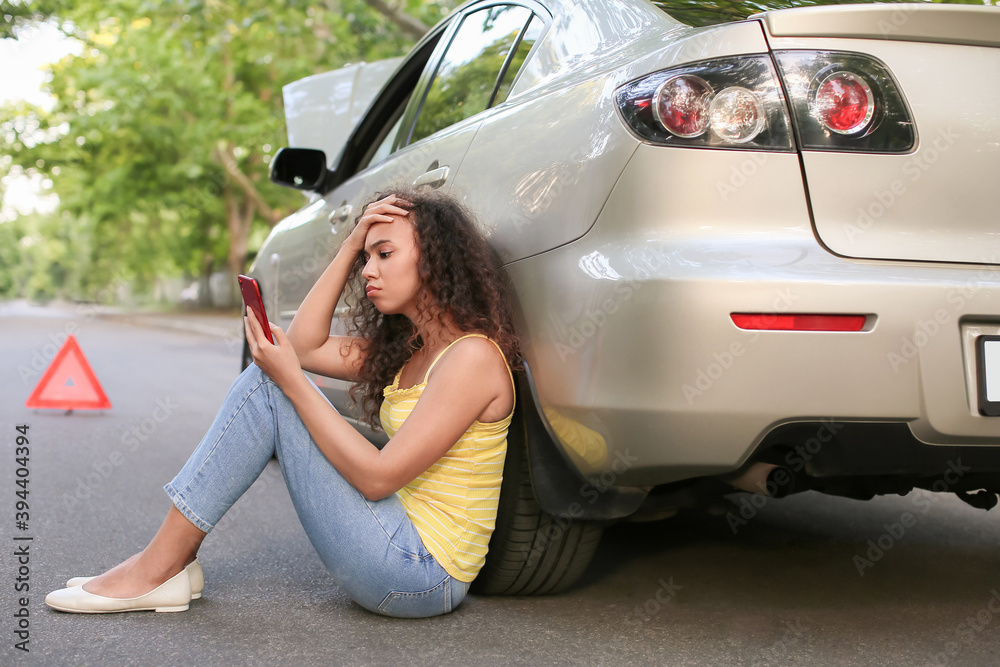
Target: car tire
<point>530,551</point>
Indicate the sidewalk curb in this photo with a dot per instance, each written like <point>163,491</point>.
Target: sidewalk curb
<point>186,323</point>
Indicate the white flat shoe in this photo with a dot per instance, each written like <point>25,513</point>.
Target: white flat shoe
<point>193,569</point>
<point>172,595</point>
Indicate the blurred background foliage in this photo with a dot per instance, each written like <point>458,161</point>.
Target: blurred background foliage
<point>164,124</point>
<point>159,140</point>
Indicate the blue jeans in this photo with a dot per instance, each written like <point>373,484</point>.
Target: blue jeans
<point>371,548</point>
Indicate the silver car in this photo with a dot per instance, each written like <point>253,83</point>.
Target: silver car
<point>757,256</point>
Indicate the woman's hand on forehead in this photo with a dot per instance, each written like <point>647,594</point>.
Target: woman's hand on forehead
<point>392,201</point>
<point>383,210</point>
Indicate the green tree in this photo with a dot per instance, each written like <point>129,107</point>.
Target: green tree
<point>16,13</point>
<point>159,141</point>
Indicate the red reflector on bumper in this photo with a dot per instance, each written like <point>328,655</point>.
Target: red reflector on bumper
<point>785,322</point>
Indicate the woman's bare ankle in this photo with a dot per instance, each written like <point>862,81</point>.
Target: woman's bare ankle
<point>173,547</point>
<point>133,577</point>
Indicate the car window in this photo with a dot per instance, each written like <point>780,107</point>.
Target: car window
<point>381,120</point>
<point>384,148</point>
<point>528,40</point>
<point>468,71</point>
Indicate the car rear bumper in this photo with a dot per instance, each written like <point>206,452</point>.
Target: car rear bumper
<point>634,352</point>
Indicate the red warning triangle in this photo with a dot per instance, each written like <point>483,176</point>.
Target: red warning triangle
<point>69,383</point>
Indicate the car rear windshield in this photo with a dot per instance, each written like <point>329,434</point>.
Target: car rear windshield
<point>710,12</point>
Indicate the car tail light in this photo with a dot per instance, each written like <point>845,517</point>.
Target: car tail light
<point>736,115</point>
<point>839,102</point>
<point>724,103</point>
<point>844,102</point>
<point>681,105</point>
<point>798,322</point>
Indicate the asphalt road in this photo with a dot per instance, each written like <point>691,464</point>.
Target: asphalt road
<point>807,580</point>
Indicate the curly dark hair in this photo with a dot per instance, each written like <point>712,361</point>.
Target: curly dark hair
<point>463,277</point>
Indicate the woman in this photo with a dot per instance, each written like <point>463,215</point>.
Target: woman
<point>404,529</point>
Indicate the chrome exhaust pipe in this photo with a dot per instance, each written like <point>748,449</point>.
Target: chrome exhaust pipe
<point>765,479</point>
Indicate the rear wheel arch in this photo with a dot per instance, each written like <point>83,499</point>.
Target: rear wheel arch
<point>532,552</point>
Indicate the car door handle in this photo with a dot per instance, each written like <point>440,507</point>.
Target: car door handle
<point>341,214</point>
<point>435,178</point>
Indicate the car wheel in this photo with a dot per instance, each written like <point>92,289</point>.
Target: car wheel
<point>532,552</point>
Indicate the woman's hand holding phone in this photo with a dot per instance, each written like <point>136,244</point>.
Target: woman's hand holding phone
<point>278,360</point>
<point>270,348</point>
<point>251,297</point>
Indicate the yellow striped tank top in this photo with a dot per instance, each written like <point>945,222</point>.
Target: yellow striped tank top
<point>453,504</point>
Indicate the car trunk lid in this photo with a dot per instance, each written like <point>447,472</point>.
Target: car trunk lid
<point>939,24</point>
<point>940,201</point>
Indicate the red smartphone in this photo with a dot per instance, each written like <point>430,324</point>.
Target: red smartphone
<point>251,297</point>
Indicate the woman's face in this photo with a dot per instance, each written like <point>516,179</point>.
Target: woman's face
<point>391,276</point>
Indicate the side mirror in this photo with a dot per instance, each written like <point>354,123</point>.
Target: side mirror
<point>299,168</point>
